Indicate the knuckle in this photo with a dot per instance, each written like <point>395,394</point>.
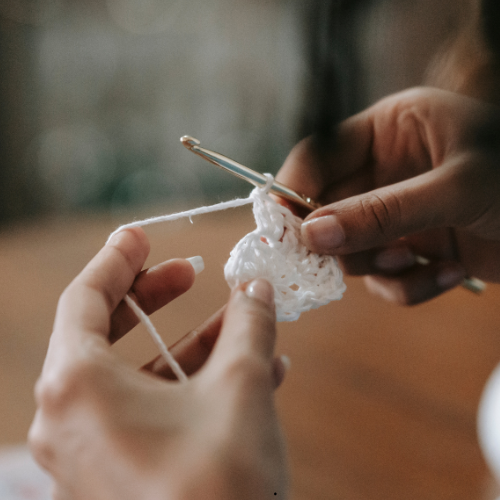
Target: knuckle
<point>53,393</point>
<point>124,255</point>
<point>93,281</point>
<point>383,211</point>
<point>40,446</point>
<point>42,451</point>
<point>56,390</point>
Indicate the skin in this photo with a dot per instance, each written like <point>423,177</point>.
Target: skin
<point>106,431</point>
<point>407,178</point>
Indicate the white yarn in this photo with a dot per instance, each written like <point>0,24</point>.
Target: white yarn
<point>239,202</point>
<point>301,279</point>
<point>144,319</point>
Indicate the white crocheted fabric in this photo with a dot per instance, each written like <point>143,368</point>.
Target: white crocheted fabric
<point>302,280</point>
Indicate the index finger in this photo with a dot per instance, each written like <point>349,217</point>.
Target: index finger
<point>86,305</point>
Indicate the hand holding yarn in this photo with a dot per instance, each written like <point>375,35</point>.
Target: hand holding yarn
<point>105,430</point>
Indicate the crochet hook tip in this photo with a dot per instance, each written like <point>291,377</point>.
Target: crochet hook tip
<point>189,142</point>
<point>249,175</point>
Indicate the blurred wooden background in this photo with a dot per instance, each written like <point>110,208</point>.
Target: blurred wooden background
<point>380,401</point>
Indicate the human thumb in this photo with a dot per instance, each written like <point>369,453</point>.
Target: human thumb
<point>444,197</point>
<point>248,331</point>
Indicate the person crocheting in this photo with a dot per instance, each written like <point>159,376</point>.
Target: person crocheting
<point>103,430</point>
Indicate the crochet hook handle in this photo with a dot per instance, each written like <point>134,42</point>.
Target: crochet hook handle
<point>247,174</point>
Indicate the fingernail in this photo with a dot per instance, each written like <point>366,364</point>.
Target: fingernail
<point>286,362</point>
<point>323,234</point>
<point>260,289</point>
<point>197,263</point>
<point>450,275</point>
<point>394,259</point>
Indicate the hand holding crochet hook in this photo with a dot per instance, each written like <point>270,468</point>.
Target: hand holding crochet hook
<point>412,176</point>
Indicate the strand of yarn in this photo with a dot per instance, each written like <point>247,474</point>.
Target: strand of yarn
<point>274,250</point>
<point>144,319</point>
<point>238,202</point>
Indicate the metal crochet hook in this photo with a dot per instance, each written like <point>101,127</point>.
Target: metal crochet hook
<point>257,179</point>
<point>247,174</point>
